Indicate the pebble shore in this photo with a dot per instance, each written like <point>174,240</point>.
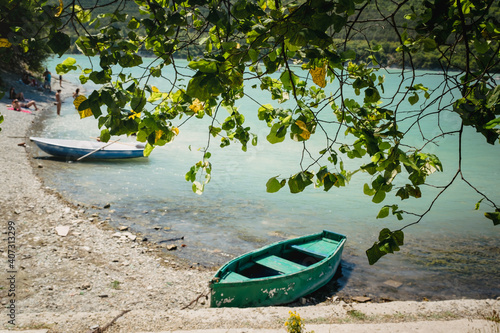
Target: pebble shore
<point>72,272</point>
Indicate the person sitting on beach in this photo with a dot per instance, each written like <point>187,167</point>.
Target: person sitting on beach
<point>26,79</point>
<point>34,82</point>
<point>16,105</point>
<point>76,93</point>
<point>13,94</point>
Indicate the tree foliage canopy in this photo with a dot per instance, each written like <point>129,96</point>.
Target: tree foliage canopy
<point>21,22</point>
<point>295,49</point>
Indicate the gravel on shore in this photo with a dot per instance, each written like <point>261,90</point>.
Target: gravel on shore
<point>85,279</point>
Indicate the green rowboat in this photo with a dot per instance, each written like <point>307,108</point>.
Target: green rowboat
<point>278,273</point>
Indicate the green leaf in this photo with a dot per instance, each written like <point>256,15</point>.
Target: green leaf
<point>59,43</point>
<point>155,71</point>
<point>277,134</point>
<point>374,254</point>
<point>330,180</point>
<point>494,216</point>
<point>297,183</point>
<point>265,112</point>
<point>492,123</point>
<point>228,124</point>
<point>384,212</point>
<point>478,204</point>
<point>368,191</point>
<point>379,196</point>
<point>83,16</point>
<point>133,24</point>
<point>289,80</point>
<point>493,97</point>
<point>204,65</point>
<point>214,130</point>
<point>100,77</point>
<point>273,185</point>
<point>413,99</point>
<point>372,95</point>
<point>481,45</point>
<point>67,65</point>
<point>130,60</point>
<point>389,242</point>
<point>254,140</point>
<point>204,86</point>
<point>191,174</point>
<point>398,236</point>
<point>105,136</point>
<point>429,44</point>
<point>148,149</point>
<point>348,55</point>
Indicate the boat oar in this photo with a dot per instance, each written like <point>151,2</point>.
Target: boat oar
<point>123,143</point>
<point>95,151</point>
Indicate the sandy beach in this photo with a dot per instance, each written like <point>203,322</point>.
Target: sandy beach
<point>96,275</point>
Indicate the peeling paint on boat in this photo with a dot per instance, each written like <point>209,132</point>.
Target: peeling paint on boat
<point>279,291</point>
<point>225,301</point>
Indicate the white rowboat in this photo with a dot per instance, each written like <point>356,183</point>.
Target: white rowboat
<point>77,149</point>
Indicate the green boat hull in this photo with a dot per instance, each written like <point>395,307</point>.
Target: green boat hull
<point>279,273</point>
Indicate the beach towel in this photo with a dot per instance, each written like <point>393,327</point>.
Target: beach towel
<point>22,110</point>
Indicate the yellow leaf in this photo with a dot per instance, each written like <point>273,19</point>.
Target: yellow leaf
<point>85,113</point>
<point>318,75</point>
<point>158,135</point>
<point>175,130</point>
<point>305,132</point>
<point>61,6</point>
<point>4,42</point>
<point>305,135</point>
<point>301,125</point>
<point>154,89</point>
<point>134,115</point>
<point>196,106</point>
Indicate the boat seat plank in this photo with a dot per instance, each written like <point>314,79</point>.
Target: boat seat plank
<point>323,247</point>
<point>279,264</point>
<point>331,241</point>
<point>234,277</point>
<point>304,250</point>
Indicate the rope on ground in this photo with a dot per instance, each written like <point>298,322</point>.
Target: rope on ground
<point>205,295</point>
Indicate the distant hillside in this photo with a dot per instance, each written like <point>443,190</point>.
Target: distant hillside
<point>376,31</point>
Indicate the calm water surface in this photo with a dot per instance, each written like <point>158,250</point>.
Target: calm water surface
<point>452,253</point>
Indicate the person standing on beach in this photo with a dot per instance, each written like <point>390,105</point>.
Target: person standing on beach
<point>76,93</point>
<point>60,81</point>
<point>48,78</point>
<point>58,101</point>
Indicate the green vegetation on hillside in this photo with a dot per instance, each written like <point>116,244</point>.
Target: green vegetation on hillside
<point>373,37</point>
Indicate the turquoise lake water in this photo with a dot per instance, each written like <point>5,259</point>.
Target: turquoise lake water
<point>452,253</point>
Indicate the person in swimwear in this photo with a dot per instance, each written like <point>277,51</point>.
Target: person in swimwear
<point>17,106</point>
<point>58,101</point>
<point>14,95</point>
